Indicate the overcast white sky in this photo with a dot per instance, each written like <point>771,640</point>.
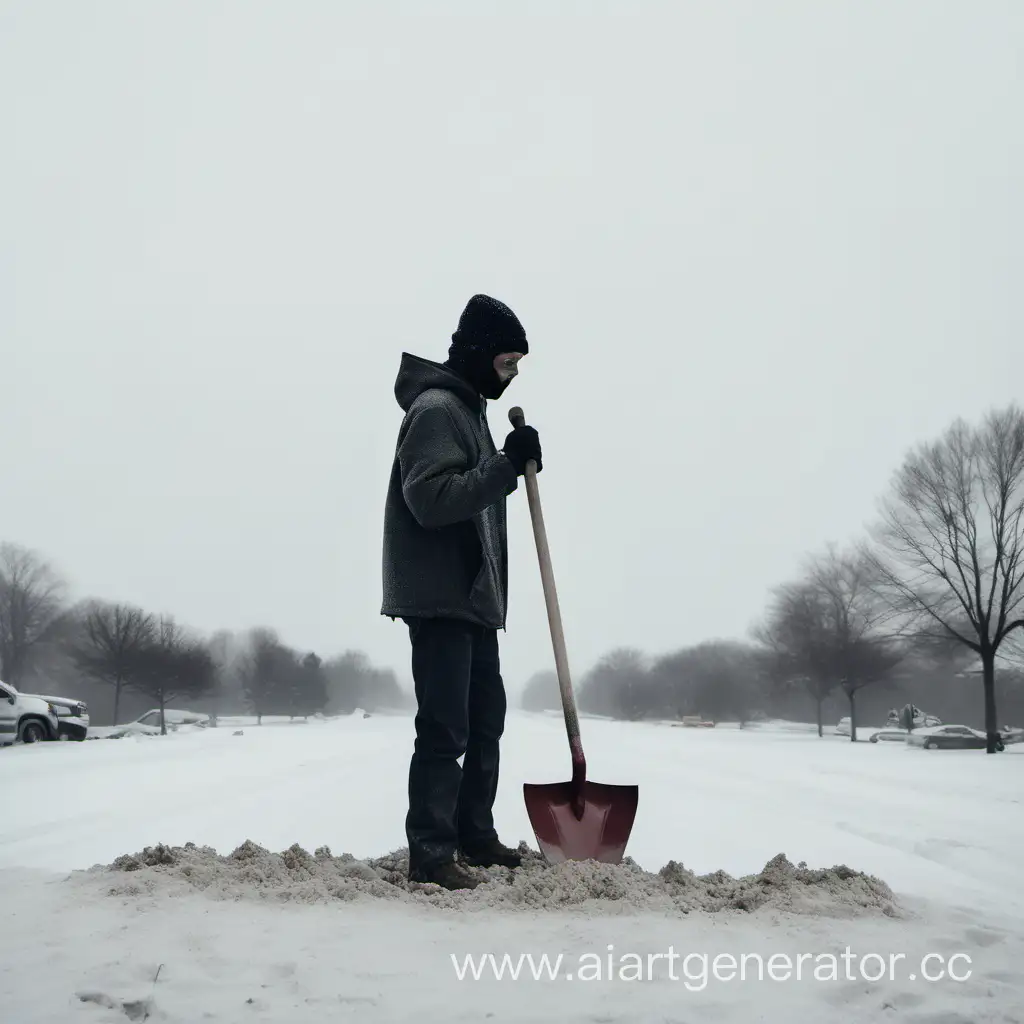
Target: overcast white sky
<point>759,250</point>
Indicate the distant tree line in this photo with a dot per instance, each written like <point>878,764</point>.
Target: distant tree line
<point>50,645</point>
<point>930,601</point>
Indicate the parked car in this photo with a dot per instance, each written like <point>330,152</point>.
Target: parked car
<point>72,716</point>
<point>25,718</point>
<point>173,718</point>
<point>148,724</point>
<point>948,737</point>
<point>1011,734</point>
<point>889,735</point>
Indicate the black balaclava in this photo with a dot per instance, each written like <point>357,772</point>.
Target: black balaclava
<point>486,328</point>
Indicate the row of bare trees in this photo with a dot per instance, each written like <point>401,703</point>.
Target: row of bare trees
<point>267,676</point>
<point>939,576</point>
<point>113,643</point>
<point>942,569</point>
<point>719,679</point>
<point>45,640</point>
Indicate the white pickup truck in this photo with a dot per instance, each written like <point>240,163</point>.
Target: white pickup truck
<point>72,716</point>
<point>24,718</point>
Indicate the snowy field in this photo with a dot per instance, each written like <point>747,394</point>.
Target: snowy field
<point>945,830</point>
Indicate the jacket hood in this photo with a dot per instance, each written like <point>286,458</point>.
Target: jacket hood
<point>416,375</point>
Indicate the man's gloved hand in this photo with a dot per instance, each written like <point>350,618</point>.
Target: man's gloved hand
<point>521,445</point>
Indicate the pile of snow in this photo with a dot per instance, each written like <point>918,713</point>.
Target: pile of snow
<point>251,871</point>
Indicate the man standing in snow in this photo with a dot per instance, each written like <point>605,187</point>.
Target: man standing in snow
<point>446,576</point>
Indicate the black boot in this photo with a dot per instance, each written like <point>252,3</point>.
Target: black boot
<point>448,874</point>
<point>490,853</point>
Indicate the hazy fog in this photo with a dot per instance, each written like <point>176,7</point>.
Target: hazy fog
<point>759,250</point>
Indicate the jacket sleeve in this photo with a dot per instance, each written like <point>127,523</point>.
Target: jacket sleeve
<point>439,484</point>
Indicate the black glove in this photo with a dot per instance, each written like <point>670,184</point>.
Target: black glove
<point>521,445</point>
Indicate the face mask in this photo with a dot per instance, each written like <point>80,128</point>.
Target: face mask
<point>493,386</point>
<point>480,371</point>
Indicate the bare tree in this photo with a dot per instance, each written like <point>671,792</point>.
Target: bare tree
<point>171,664</point>
<point>111,636</point>
<point>856,623</point>
<point>307,693</point>
<point>949,550</point>
<point>348,681</point>
<point>719,679</point>
<point>1012,651</point>
<point>616,685</point>
<point>795,637</point>
<point>267,673</point>
<point>830,629</point>
<point>31,602</point>
<point>354,682</point>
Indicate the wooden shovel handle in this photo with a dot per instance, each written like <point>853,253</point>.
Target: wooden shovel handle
<point>547,576</point>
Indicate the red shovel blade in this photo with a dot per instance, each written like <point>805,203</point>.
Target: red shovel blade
<point>600,834</point>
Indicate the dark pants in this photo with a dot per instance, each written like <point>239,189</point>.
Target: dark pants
<point>461,706</point>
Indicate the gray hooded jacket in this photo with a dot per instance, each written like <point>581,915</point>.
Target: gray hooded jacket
<point>445,544</point>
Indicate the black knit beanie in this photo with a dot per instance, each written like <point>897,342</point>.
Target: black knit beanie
<point>486,328</point>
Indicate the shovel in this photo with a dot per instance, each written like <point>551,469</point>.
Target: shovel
<point>579,819</point>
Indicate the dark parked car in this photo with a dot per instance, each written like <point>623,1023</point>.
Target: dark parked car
<point>949,737</point>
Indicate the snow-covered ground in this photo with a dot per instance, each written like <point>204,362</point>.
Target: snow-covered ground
<point>945,830</point>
